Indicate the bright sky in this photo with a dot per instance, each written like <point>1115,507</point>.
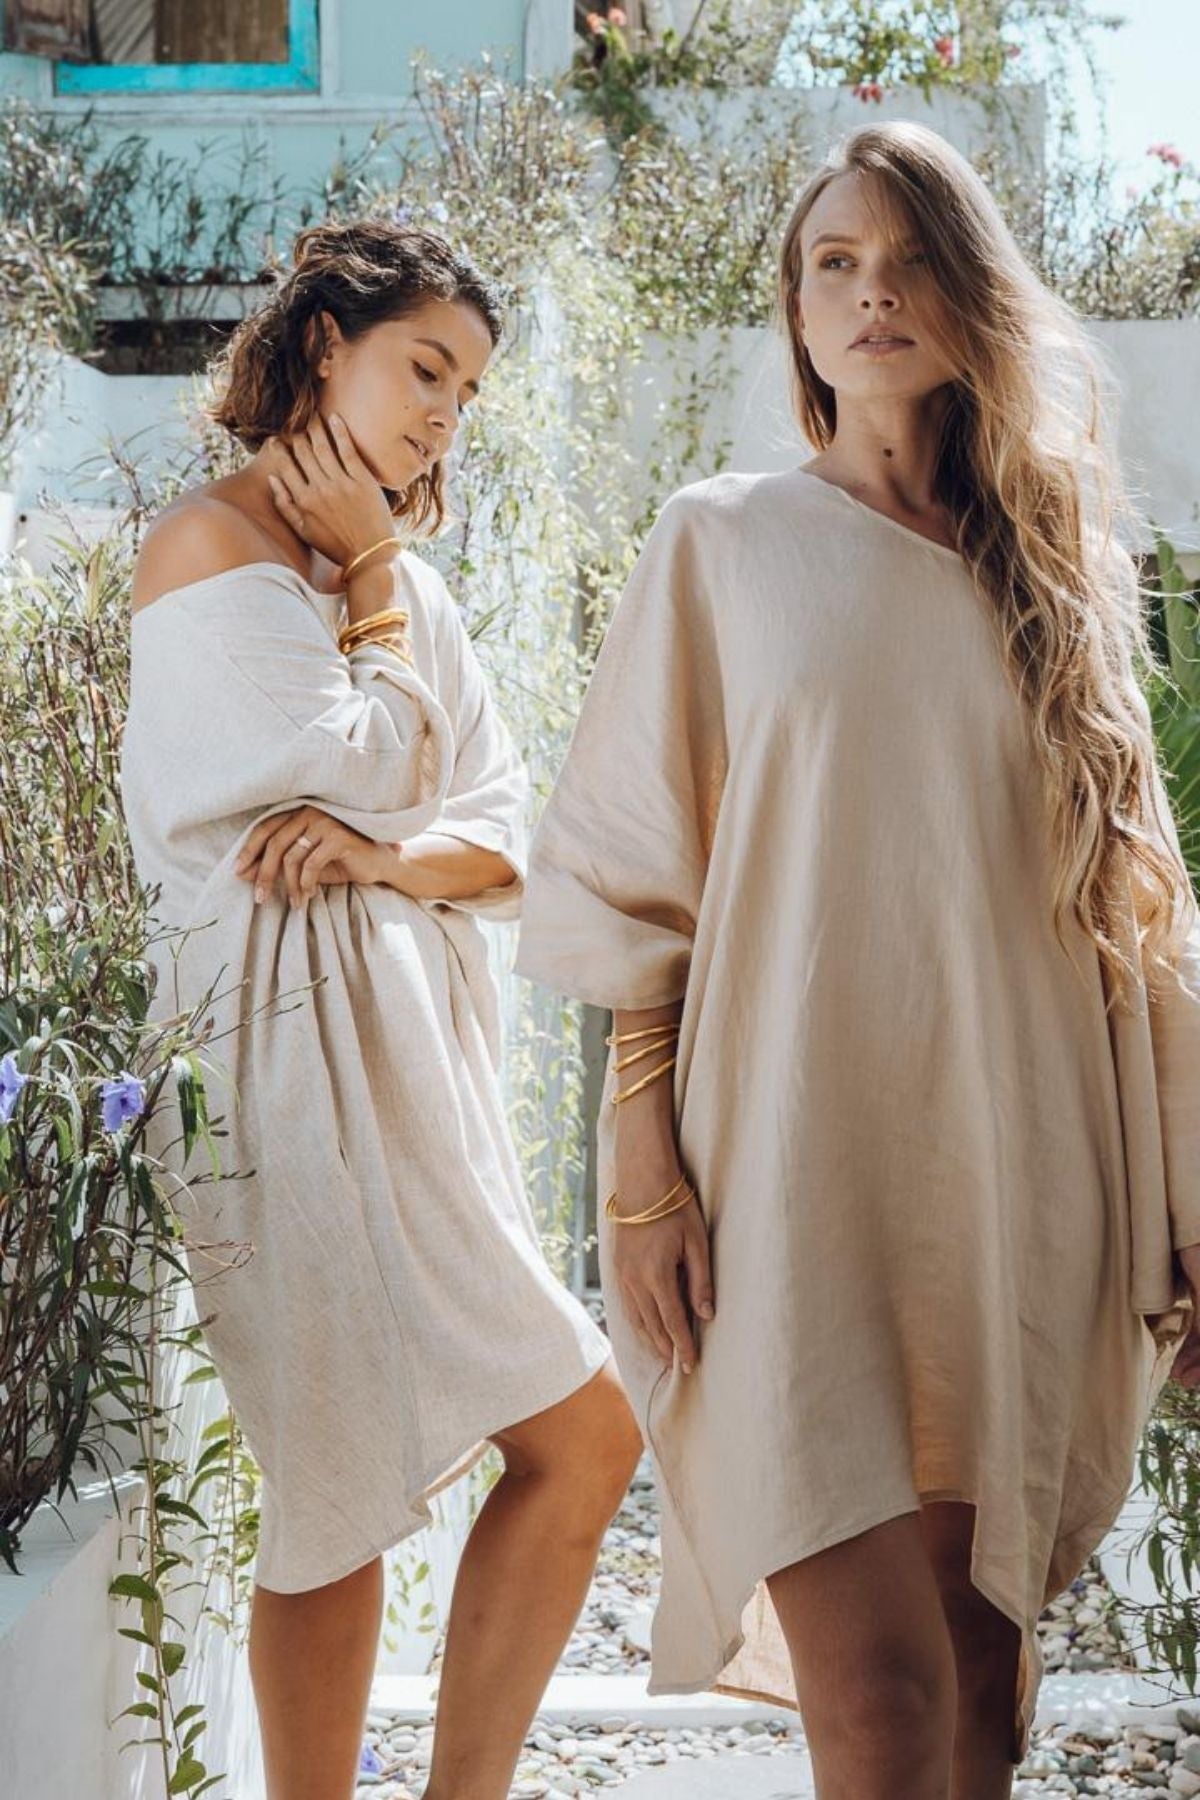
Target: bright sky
<point>1149,67</point>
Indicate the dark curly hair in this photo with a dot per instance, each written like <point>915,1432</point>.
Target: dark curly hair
<point>362,274</point>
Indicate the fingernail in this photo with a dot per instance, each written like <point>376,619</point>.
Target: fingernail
<point>260,894</point>
<point>706,1311</point>
<point>687,1368</point>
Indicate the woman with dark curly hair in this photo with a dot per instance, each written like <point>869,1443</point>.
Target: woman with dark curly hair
<point>319,786</point>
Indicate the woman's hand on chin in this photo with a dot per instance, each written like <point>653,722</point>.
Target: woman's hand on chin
<point>324,490</point>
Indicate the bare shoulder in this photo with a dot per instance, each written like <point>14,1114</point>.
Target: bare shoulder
<point>198,535</point>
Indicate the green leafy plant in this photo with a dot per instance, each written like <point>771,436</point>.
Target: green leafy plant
<point>1174,695</point>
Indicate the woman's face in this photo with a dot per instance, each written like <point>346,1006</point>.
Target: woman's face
<point>401,387</point>
<point>855,280</point>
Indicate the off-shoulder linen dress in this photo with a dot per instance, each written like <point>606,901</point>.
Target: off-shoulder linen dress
<point>395,1307</point>
<point>943,1186</point>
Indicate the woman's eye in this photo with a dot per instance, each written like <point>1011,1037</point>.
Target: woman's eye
<point>424,373</point>
<point>834,256</point>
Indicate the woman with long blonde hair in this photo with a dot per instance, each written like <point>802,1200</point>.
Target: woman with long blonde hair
<point>862,839</point>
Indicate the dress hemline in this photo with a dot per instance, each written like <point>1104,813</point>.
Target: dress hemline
<point>1099,1523</point>
<point>417,1514</point>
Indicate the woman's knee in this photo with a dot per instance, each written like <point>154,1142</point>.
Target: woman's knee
<point>588,1445</point>
<point>895,1692</point>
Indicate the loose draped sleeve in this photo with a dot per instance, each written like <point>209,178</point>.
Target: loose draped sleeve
<point>1156,1057</point>
<point>486,800</point>
<point>1174,1008</point>
<point>252,710</point>
<point>618,862</point>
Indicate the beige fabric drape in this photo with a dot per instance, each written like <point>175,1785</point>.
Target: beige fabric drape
<point>942,1193</point>
<point>396,1307</point>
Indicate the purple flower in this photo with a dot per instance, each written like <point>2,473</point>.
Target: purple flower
<point>11,1083</point>
<point>402,215</point>
<point>124,1098</point>
<point>370,1762</point>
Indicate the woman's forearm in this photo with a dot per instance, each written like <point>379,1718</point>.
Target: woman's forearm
<point>435,866</point>
<point>646,1121</point>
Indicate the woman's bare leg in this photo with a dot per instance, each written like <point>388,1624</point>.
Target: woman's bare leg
<point>987,1650</point>
<point>874,1665</point>
<point>312,1656</point>
<point>523,1579</point>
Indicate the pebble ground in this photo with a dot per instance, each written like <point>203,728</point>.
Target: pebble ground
<point>561,1760</point>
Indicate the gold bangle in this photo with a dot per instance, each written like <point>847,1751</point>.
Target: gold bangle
<point>629,1092</point>
<point>356,562</point>
<point>636,1056</point>
<point>661,1209</point>
<point>398,650</point>
<point>631,1037</point>
<point>391,615</point>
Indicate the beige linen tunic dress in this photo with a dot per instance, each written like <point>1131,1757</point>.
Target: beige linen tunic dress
<point>942,1185</point>
<point>394,1307</point>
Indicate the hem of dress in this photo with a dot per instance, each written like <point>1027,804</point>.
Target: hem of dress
<point>1030,1667</point>
<point>416,1509</point>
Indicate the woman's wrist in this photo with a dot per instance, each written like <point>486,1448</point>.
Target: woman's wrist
<point>369,590</point>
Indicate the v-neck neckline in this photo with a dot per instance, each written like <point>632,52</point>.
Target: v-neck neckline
<point>918,537</point>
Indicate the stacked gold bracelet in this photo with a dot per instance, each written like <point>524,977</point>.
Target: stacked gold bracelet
<point>388,628</point>
<point>660,1210</point>
<point>662,1036</point>
<point>356,562</point>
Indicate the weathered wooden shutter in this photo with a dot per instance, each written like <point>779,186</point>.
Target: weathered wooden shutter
<point>55,28</point>
<point>221,31</point>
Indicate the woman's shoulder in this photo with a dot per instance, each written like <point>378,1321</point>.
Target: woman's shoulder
<point>201,534</point>
<point>732,501</point>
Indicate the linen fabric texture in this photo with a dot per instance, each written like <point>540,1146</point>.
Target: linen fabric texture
<point>375,1296</point>
<point>943,1181</point>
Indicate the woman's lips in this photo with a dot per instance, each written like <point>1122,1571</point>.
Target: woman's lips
<point>426,456</point>
<point>882,346</point>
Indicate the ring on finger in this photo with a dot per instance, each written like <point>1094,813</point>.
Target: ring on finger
<point>306,841</point>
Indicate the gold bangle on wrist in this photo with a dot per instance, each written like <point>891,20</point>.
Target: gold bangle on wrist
<point>356,562</point>
<point>391,616</point>
<point>661,1209</point>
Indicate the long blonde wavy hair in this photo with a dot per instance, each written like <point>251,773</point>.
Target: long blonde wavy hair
<point>1027,471</point>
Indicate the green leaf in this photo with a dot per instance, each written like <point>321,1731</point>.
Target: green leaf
<point>187,1774</point>
<point>172,1657</point>
<point>134,1587</point>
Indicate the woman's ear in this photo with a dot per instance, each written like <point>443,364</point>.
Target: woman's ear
<point>323,333</point>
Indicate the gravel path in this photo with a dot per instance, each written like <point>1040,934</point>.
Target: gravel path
<point>1079,1633</point>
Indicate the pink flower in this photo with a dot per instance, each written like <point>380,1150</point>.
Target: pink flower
<point>1012,49</point>
<point>596,23</point>
<point>617,16</point>
<point>875,91</point>
<point>1167,153</point>
<point>944,46</point>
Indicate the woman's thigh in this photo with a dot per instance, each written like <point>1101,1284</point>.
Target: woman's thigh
<point>864,1622</point>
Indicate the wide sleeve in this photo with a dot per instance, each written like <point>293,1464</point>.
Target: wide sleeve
<point>487,797</point>
<point>619,859</point>
<point>251,709</point>
<point>1174,1011</point>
